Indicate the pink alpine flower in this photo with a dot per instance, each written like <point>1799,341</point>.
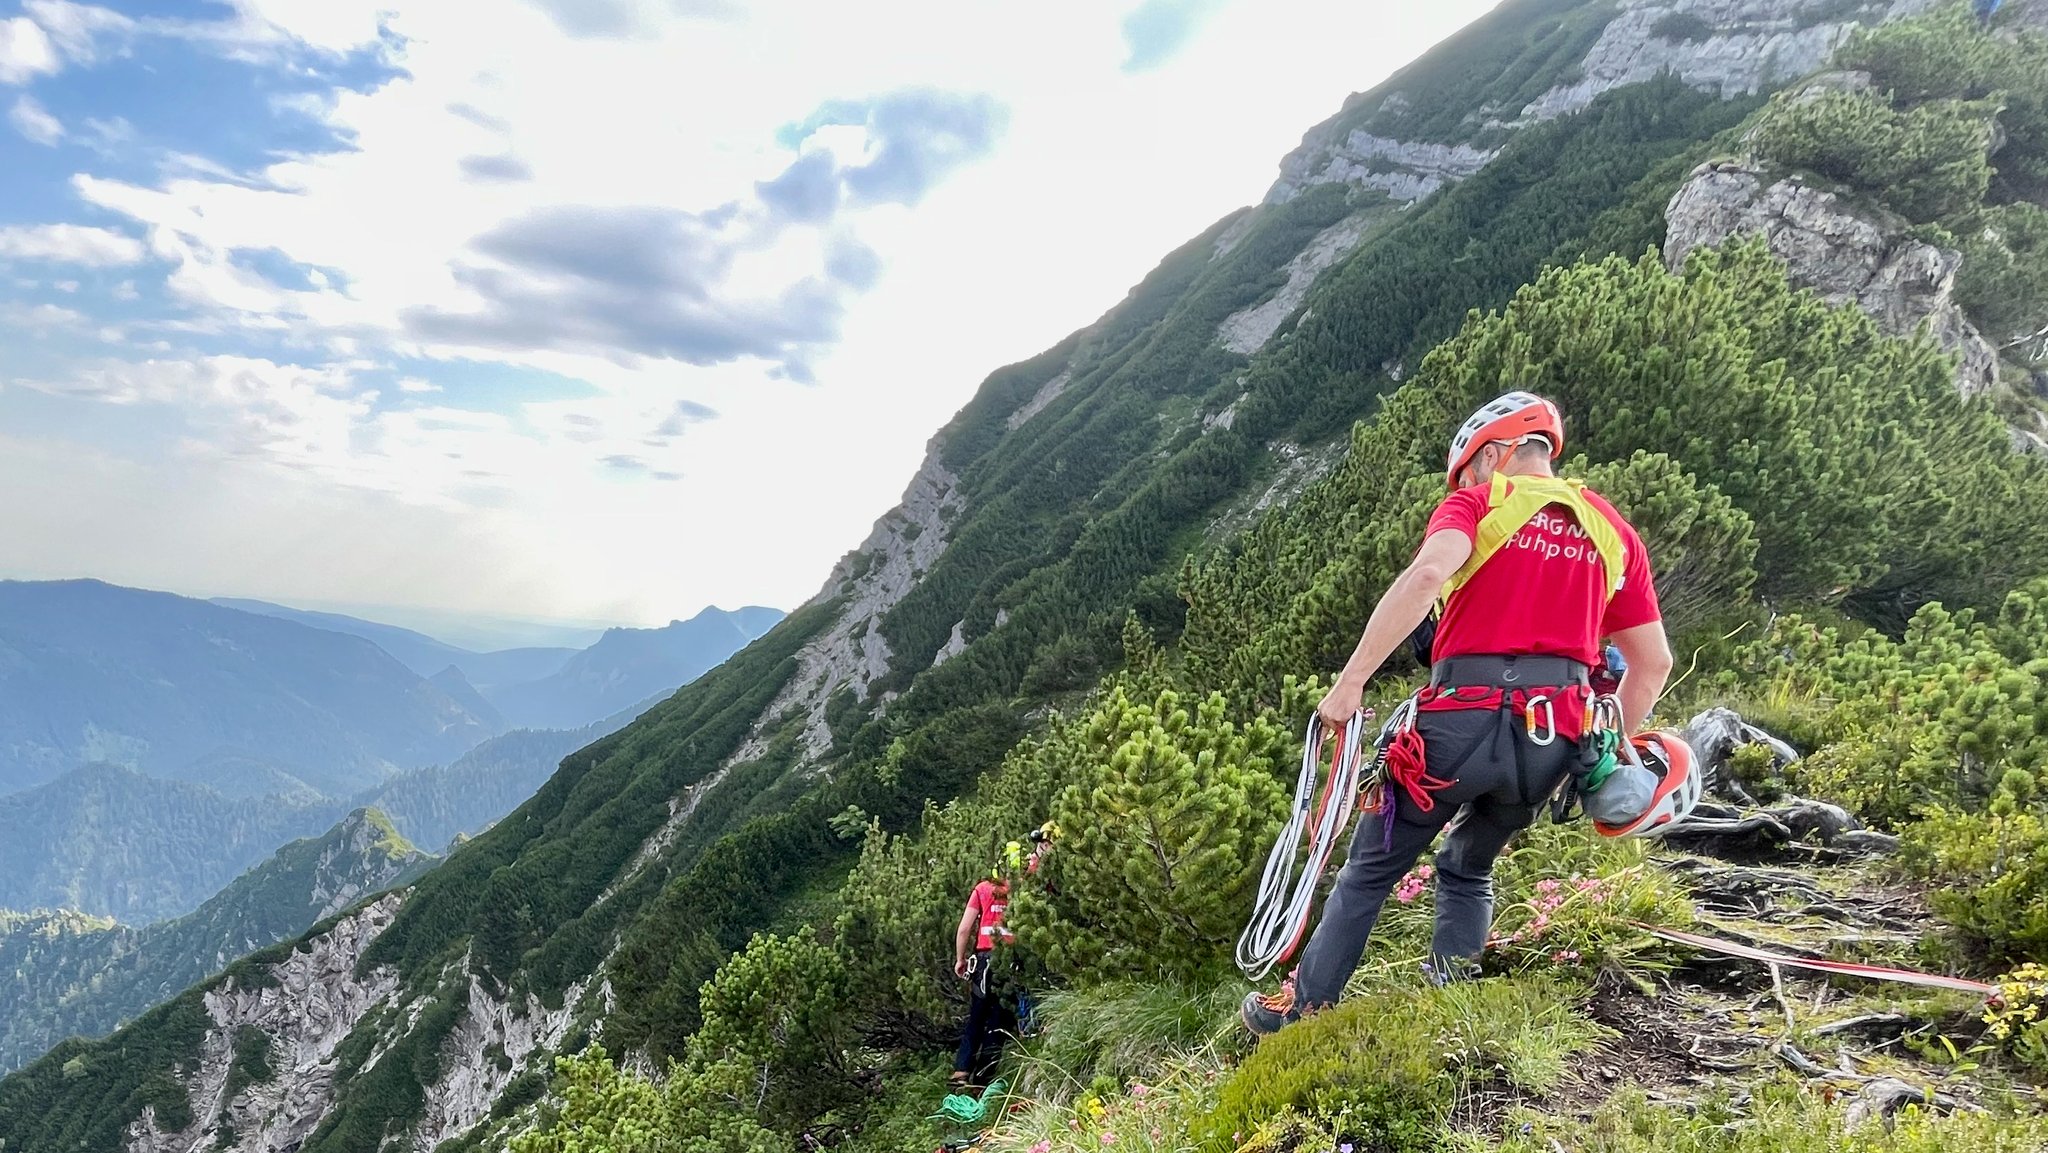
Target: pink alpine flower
<point>1412,884</point>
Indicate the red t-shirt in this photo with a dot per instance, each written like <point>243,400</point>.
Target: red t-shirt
<point>989,905</point>
<point>1545,590</point>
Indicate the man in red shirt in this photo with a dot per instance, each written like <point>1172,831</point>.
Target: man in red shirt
<point>1534,570</point>
<point>981,925</point>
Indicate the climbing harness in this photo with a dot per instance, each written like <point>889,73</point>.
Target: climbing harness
<point>1843,968</point>
<point>1513,501</point>
<point>1280,913</point>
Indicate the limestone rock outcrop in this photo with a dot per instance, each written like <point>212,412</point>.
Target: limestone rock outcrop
<point>1850,255</point>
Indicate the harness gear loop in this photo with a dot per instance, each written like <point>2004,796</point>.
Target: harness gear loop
<point>1408,765</point>
<point>1515,501</point>
<point>1600,746</point>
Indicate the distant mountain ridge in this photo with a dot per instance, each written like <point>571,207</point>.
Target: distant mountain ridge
<point>77,975</point>
<point>626,666</point>
<point>419,652</point>
<point>554,688</point>
<point>106,841</point>
<point>169,685</point>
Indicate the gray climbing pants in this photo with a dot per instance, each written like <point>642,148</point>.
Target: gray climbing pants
<point>1499,779</point>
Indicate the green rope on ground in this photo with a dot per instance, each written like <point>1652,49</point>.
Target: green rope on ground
<point>962,1109</point>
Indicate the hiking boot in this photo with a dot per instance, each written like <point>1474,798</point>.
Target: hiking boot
<point>1265,1013</point>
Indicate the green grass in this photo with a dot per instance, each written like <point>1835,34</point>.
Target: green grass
<point>1121,1031</point>
<point>1386,1070</point>
<point>1780,1116</point>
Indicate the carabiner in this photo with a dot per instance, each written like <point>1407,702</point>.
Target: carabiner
<point>1543,701</point>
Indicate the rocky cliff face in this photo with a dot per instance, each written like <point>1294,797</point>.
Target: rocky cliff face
<point>307,1005</point>
<point>495,1041</point>
<point>1847,254</point>
<point>1403,169</point>
<point>358,859</point>
<point>853,654</point>
<point>1733,47</point>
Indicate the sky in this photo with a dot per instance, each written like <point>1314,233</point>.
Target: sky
<point>591,310</point>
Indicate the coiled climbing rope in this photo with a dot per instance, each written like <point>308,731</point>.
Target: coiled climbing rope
<point>1280,913</point>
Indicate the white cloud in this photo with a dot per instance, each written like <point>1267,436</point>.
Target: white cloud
<point>267,31</point>
<point>78,29</point>
<point>69,244</point>
<point>497,132</point>
<point>34,121</point>
<point>39,319</point>
<point>25,51</point>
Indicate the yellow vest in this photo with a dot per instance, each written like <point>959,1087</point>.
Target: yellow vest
<point>1515,501</point>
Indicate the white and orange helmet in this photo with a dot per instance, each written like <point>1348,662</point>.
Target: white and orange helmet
<point>1511,417</point>
<point>1664,753</point>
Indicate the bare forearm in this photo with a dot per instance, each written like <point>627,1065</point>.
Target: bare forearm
<point>1403,608</point>
<point>1648,653</point>
<point>960,941</point>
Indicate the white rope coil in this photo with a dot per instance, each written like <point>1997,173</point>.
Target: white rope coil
<point>1285,897</point>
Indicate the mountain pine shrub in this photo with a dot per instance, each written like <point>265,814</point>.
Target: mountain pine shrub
<point>778,1010</point>
<point>605,1109</point>
<point>1925,163</point>
<point>1944,55</point>
<point>1992,867</point>
<point>1169,815</point>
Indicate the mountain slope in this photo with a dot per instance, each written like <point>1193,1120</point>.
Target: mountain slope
<point>627,666</point>
<point>433,806</point>
<point>1061,501</point>
<point>81,976</point>
<point>165,684</point>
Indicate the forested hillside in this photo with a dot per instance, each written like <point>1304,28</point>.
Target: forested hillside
<point>110,842</point>
<point>750,892</point>
<point>75,975</point>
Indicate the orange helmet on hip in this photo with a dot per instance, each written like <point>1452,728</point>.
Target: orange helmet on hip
<point>1679,785</point>
<point>1511,417</point>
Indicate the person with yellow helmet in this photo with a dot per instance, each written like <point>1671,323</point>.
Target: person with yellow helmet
<point>1531,570</point>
